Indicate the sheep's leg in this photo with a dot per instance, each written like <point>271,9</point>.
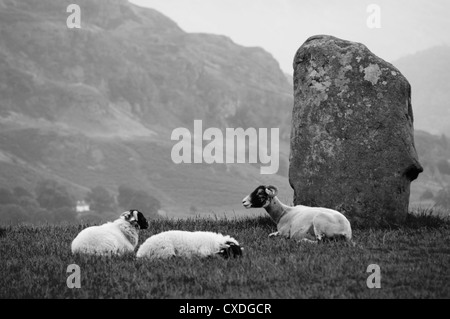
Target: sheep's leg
<point>204,251</point>
<point>326,228</point>
<point>305,235</point>
<point>275,234</point>
<point>318,234</point>
<point>309,237</point>
<point>323,227</point>
<point>309,241</point>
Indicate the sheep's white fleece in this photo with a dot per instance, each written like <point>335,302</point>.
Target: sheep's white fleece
<point>184,244</point>
<point>116,237</point>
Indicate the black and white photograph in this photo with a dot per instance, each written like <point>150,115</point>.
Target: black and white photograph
<point>241,151</point>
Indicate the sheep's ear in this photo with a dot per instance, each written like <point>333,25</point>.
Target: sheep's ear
<point>128,215</point>
<point>272,191</point>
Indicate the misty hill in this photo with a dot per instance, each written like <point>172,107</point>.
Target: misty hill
<point>434,155</point>
<point>129,61</point>
<point>97,105</point>
<point>429,74</point>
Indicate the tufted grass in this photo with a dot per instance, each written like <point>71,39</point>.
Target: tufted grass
<point>413,258</point>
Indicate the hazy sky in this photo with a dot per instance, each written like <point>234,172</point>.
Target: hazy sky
<point>281,26</point>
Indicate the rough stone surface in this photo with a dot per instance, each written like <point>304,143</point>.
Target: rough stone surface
<point>352,142</point>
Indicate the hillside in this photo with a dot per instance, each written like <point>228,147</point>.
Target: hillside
<point>434,155</point>
<point>97,105</point>
<point>128,63</point>
<point>428,72</point>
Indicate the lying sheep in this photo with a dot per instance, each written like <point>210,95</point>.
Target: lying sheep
<point>304,223</point>
<point>188,244</point>
<point>113,238</point>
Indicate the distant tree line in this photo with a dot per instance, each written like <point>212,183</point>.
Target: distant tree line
<point>443,198</point>
<point>443,166</point>
<point>51,202</point>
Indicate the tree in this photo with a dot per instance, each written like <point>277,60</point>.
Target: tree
<point>443,198</point>
<point>28,203</point>
<point>444,167</point>
<point>64,214</point>
<point>91,219</point>
<point>52,195</point>
<point>427,194</point>
<point>193,209</point>
<point>19,192</point>
<point>444,141</point>
<point>130,198</point>
<point>43,216</point>
<point>283,169</point>
<point>6,196</point>
<point>100,200</point>
<point>13,214</point>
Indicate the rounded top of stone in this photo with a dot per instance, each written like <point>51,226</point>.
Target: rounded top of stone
<point>331,45</point>
<point>323,37</point>
<point>323,41</point>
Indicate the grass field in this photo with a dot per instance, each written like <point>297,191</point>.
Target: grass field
<point>414,260</point>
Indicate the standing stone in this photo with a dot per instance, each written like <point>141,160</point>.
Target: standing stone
<point>352,142</point>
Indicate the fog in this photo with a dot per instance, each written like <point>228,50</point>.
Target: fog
<point>281,26</point>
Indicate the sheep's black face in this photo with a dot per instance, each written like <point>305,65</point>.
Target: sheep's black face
<point>260,197</point>
<point>233,251</point>
<point>141,220</point>
<point>256,199</point>
<point>135,218</point>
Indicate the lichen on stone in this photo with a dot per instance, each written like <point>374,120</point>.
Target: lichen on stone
<point>341,80</point>
<point>372,73</point>
<point>321,86</point>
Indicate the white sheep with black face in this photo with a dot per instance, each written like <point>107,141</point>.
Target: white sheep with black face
<point>113,238</point>
<point>177,243</point>
<point>299,222</point>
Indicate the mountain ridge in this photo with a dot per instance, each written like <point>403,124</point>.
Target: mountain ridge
<point>97,105</point>
<point>428,71</point>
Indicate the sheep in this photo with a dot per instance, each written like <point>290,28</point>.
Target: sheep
<point>113,238</point>
<point>304,223</point>
<point>188,244</point>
